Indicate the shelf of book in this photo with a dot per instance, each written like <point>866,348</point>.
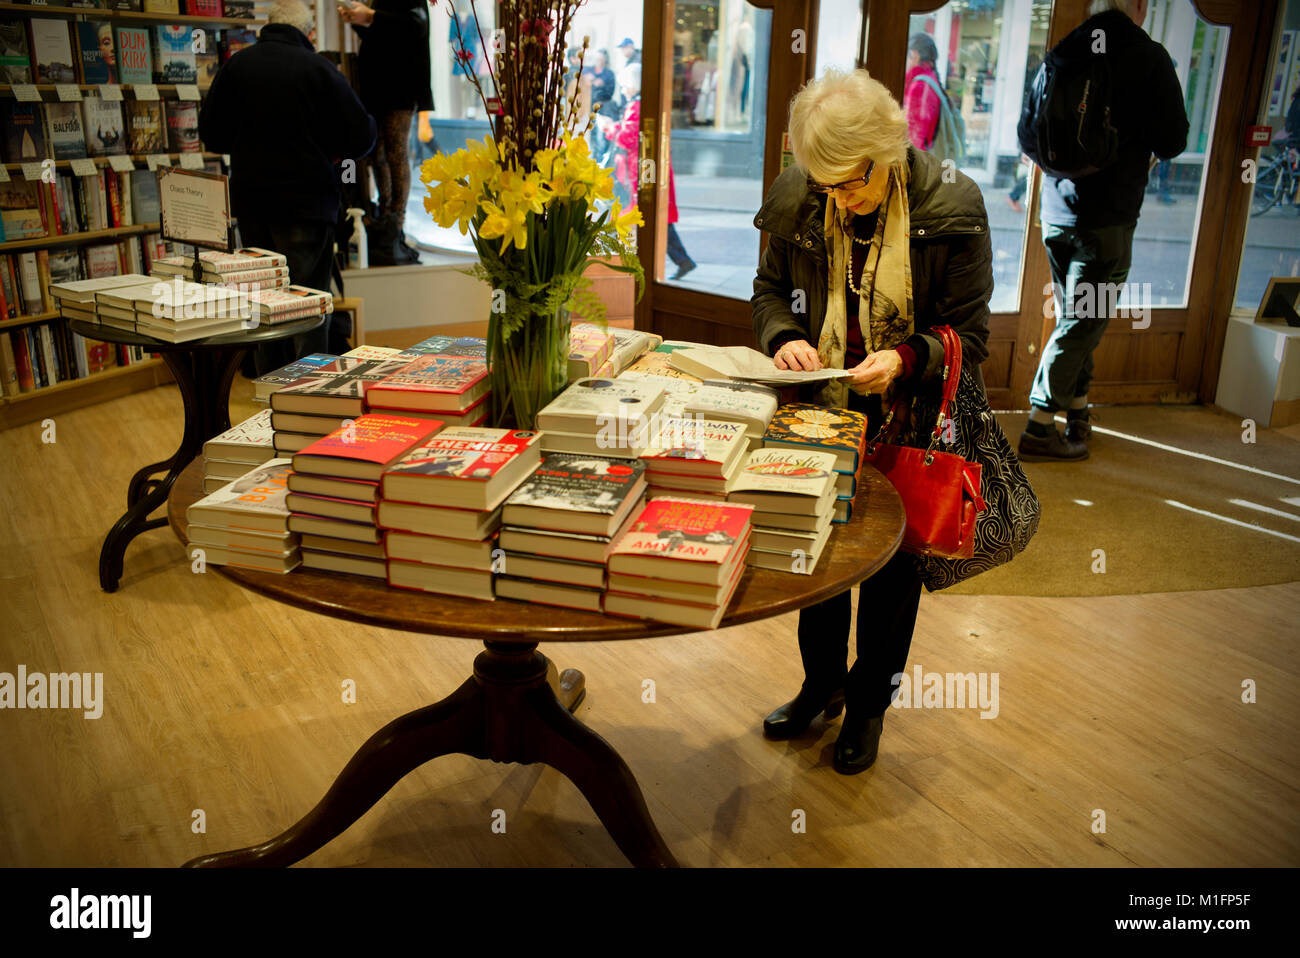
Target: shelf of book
<point>17,321</point>
<point>138,16</point>
<point>78,239</point>
<point>7,89</point>
<point>38,404</point>
<point>104,161</point>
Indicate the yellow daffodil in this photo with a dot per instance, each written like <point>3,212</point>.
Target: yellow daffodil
<point>510,225</point>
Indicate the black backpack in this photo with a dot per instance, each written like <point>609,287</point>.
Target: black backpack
<point>1065,127</point>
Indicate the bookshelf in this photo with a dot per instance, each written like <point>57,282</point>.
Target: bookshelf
<point>17,408</point>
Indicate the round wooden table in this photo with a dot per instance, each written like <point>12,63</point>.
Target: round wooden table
<point>507,711</point>
<point>204,370</point>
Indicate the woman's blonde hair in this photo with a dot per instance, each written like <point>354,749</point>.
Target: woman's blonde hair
<point>843,118</point>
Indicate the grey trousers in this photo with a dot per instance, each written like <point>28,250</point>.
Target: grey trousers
<point>1087,265</point>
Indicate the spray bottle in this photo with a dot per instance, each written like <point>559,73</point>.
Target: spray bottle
<point>358,252</point>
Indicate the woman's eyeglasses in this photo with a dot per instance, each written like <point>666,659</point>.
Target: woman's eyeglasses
<point>854,184</point>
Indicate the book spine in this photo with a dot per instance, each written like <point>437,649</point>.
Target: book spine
<point>41,203</point>
<point>101,201</point>
<point>4,294</point>
<point>54,372</point>
<point>114,197</point>
<point>124,190</point>
<point>14,304</point>
<point>23,360</point>
<point>80,354</point>
<point>38,356</point>
<point>8,367</point>
<point>56,208</point>
<point>31,284</point>
<point>43,277</point>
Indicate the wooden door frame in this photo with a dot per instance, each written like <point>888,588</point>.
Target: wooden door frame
<point>786,73</point>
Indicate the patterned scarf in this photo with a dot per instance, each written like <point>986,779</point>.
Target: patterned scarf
<point>885,304</point>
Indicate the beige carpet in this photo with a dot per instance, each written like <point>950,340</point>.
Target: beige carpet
<point>1117,502</point>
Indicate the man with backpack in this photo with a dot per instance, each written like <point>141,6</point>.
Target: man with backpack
<point>1104,100</point>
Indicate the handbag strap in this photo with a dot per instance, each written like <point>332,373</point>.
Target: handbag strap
<point>897,412</point>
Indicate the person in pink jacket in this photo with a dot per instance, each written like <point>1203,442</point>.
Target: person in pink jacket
<point>920,101</point>
<point>626,137</point>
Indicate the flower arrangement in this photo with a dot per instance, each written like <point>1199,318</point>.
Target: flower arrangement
<point>539,209</point>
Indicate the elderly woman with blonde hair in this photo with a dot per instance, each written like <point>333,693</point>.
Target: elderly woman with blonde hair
<point>884,242</point>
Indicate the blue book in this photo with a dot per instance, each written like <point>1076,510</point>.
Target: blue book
<point>173,56</point>
<point>97,52</point>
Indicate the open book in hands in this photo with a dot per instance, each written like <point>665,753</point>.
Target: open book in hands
<point>741,362</point>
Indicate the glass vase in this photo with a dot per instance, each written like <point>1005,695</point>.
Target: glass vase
<point>529,367</point>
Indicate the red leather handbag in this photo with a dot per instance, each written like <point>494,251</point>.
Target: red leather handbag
<point>940,490</point>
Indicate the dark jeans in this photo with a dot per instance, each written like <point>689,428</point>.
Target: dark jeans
<point>1087,266</point>
<point>887,604</point>
<point>309,248</point>
<point>676,250</point>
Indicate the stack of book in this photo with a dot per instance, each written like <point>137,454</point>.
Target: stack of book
<point>173,310</point>
<point>241,447</point>
<point>793,494</point>
<point>334,490</point>
<point>751,404</point>
<point>603,417</point>
<point>453,388</point>
<point>696,458</point>
<point>590,348</point>
<point>323,398</point>
<point>680,561</point>
<point>245,522</point>
<point>440,505</point>
<point>268,383</point>
<point>271,304</point>
<point>76,299</point>
<point>247,264</point>
<point>559,525</point>
<point>803,426</point>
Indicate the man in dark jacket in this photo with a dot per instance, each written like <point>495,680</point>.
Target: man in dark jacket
<point>1088,222</point>
<point>288,119</point>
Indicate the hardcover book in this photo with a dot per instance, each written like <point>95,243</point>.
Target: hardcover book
<point>629,344</point>
<point>696,447</point>
<point>146,130</point>
<point>183,127</point>
<point>203,8</point>
<point>207,61</point>
<point>799,481</point>
<point>97,51</point>
<point>254,501</point>
<point>689,540</point>
<point>840,431</point>
<point>51,51</point>
<point>429,347</point>
<point>248,441</point>
<point>365,448</point>
<point>657,364</point>
<point>162,6</point>
<point>238,9</point>
<point>266,384</point>
<point>338,389</point>
<point>463,467</point>
<point>24,132</point>
<point>15,61</point>
<point>232,41</point>
<point>145,201</point>
<point>585,494</point>
<point>292,298</point>
<point>589,347</point>
<point>587,403</point>
<point>20,210</point>
<point>134,55</point>
<point>433,383</point>
<point>65,134</point>
<point>105,130</point>
<point>173,55</point>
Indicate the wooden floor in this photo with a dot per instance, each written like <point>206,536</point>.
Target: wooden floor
<point>1127,707</point>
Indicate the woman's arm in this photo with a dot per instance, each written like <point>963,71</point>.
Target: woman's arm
<point>775,321</point>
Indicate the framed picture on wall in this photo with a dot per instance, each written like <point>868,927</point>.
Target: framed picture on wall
<point>1282,68</point>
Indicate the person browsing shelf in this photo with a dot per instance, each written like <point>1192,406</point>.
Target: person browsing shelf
<point>883,249</point>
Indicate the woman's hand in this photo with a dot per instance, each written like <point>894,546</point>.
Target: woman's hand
<point>797,354</point>
<point>357,13</point>
<point>875,373</point>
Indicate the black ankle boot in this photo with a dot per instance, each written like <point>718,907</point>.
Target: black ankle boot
<point>381,240</point>
<point>794,717</point>
<point>855,750</point>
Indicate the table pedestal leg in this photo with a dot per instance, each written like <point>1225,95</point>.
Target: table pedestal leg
<point>508,712</point>
<point>203,378</point>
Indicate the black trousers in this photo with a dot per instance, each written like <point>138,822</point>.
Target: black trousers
<point>309,248</point>
<point>887,604</point>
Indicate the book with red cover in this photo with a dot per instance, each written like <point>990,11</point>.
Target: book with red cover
<point>434,382</point>
<point>690,540</point>
<point>463,467</point>
<point>364,449</point>
<point>203,8</point>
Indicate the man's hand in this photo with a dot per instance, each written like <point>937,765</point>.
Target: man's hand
<point>797,354</point>
<point>357,13</point>
<point>875,373</point>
